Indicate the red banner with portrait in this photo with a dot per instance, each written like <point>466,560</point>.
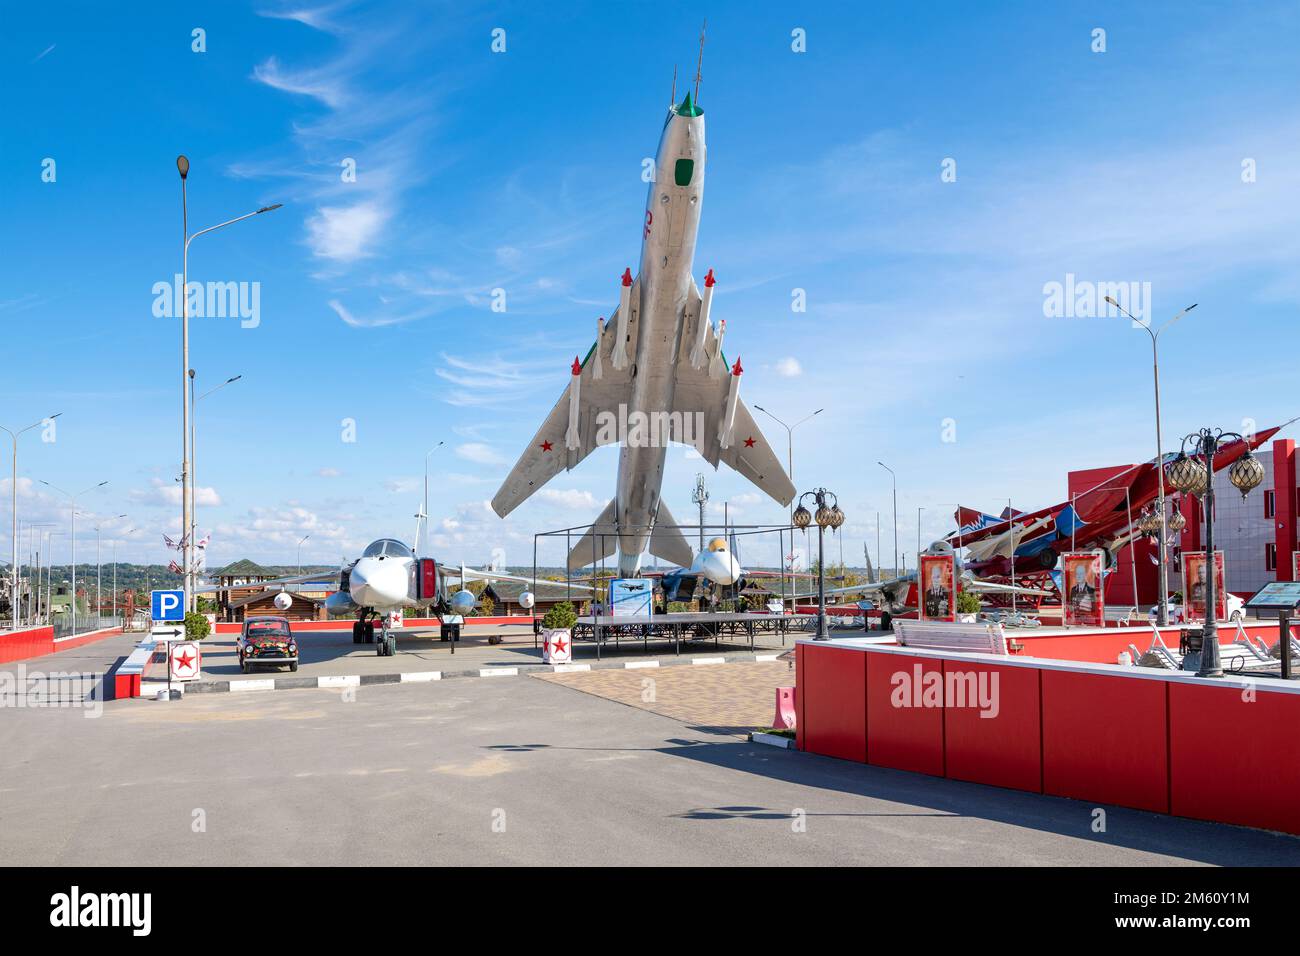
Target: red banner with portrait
<point>937,587</point>
<point>1195,578</point>
<point>1081,589</point>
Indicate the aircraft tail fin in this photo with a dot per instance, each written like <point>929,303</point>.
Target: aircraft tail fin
<point>599,542</point>
<point>667,540</point>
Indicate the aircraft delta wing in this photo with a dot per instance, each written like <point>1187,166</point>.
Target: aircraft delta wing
<point>599,394</point>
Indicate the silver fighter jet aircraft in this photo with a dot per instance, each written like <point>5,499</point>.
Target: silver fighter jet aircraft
<point>655,375</point>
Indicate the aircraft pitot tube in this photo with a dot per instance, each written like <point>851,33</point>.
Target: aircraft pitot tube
<point>571,440</point>
<point>698,356</point>
<point>598,370</point>
<point>624,310</point>
<point>728,424</point>
<point>719,367</point>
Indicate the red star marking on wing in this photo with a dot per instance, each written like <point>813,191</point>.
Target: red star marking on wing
<point>545,446</point>
<point>749,443</point>
<point>185,661</point>
<point>560,645</point>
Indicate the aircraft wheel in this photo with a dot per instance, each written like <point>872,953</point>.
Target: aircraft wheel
<point>392,646</point>
<point>356,632</point>
<point>369,628</point>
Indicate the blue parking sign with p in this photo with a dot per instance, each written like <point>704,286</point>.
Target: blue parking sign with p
<point>168,605</point>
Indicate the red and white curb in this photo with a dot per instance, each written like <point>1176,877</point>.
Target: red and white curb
<point>335,681</point>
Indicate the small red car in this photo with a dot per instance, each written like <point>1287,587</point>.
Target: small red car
<point>266,640</point>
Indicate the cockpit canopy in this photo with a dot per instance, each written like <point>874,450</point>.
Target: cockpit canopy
<point>387,547</point>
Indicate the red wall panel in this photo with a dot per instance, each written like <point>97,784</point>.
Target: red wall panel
<point>1104,739</point>
<point>27,643</point>
<point>905,737</point>
<point>1233,759</point>
<point>1004,748</point>
<point>832,719</point>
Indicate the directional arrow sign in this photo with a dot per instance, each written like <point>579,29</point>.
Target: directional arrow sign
<point>173,632</point>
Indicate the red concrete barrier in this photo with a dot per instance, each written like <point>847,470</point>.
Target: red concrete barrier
<point>994,738</point>
<point>26,643</point>
<point>39,641</point>
<point>906,737</point>
<point>1152,740</point>
<point>1105,738</point>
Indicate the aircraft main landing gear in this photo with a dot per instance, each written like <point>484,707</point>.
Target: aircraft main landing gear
<point>363,631</point>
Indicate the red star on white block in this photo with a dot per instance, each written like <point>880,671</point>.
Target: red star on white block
<point>185,660</point>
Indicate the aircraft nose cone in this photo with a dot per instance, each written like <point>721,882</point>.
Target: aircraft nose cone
<point>377,582</point>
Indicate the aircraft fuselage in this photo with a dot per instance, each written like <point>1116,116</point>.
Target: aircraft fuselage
<point>671,222</point>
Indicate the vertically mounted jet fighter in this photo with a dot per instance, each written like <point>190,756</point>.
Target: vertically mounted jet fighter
<point>656,371</point>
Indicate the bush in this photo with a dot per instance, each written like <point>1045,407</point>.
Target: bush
<point>560,617</point>
<point>968,602</point>
<point>196,626</point>
<point>485,607</point>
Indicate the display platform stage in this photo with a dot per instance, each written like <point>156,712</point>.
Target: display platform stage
<point>683,627</point>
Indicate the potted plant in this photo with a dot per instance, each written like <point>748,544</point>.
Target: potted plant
<point>557,633</point>
<point>968,605</point>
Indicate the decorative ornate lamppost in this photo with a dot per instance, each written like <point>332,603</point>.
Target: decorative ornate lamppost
<point>830,516</point>
<point>1194,475</point>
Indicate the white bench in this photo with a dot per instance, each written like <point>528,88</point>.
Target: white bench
<point>951,636</point>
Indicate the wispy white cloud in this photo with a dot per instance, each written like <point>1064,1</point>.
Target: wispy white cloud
<point>345,233</point>
<point>480,454</point>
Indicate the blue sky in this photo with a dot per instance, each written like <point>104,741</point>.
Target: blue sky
<point>522,171</point>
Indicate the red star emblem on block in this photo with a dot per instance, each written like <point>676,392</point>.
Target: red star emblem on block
<point>546,645</point>
<point>560,645</point>
<point>185,661</point>
<point>545,446</point>
<point>749,443</point>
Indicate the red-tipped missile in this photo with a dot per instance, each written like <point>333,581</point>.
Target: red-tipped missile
<point>698,354</point>
<point>598,370</point>
<point>571,439</point>
<point>728,423</point>
<point>619,357</point>
<point>719,367</point>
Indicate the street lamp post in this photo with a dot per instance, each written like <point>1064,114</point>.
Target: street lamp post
<point>828,516</point>
<point>424,509</point>
<point>73,500</point>
<point>99,600</point>
<point>49,577</point>
<point>300,541</point>
<point>789,441</point>
<point>13,507</point>
<point>1194,475</point>
<point>183,167</point>
<point>1163,605</point>
<point>894,478</point>
<point>192,529</point>
<point>918,536</point>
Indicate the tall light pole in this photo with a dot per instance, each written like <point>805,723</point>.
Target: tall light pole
<point>73,500</point>
<point>125,534</point>
<point>49,577</point>
<point>183,167</point>
<point>193,528</point>
<point>13,505</point>
<point>38,541</point>
<point>99,605</point>
<point>424,509</point>
<point>918,539</point>
<point>895,480</point>
<point>1163,613</point>
<point>300,541</point>
<point>789,441</point>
